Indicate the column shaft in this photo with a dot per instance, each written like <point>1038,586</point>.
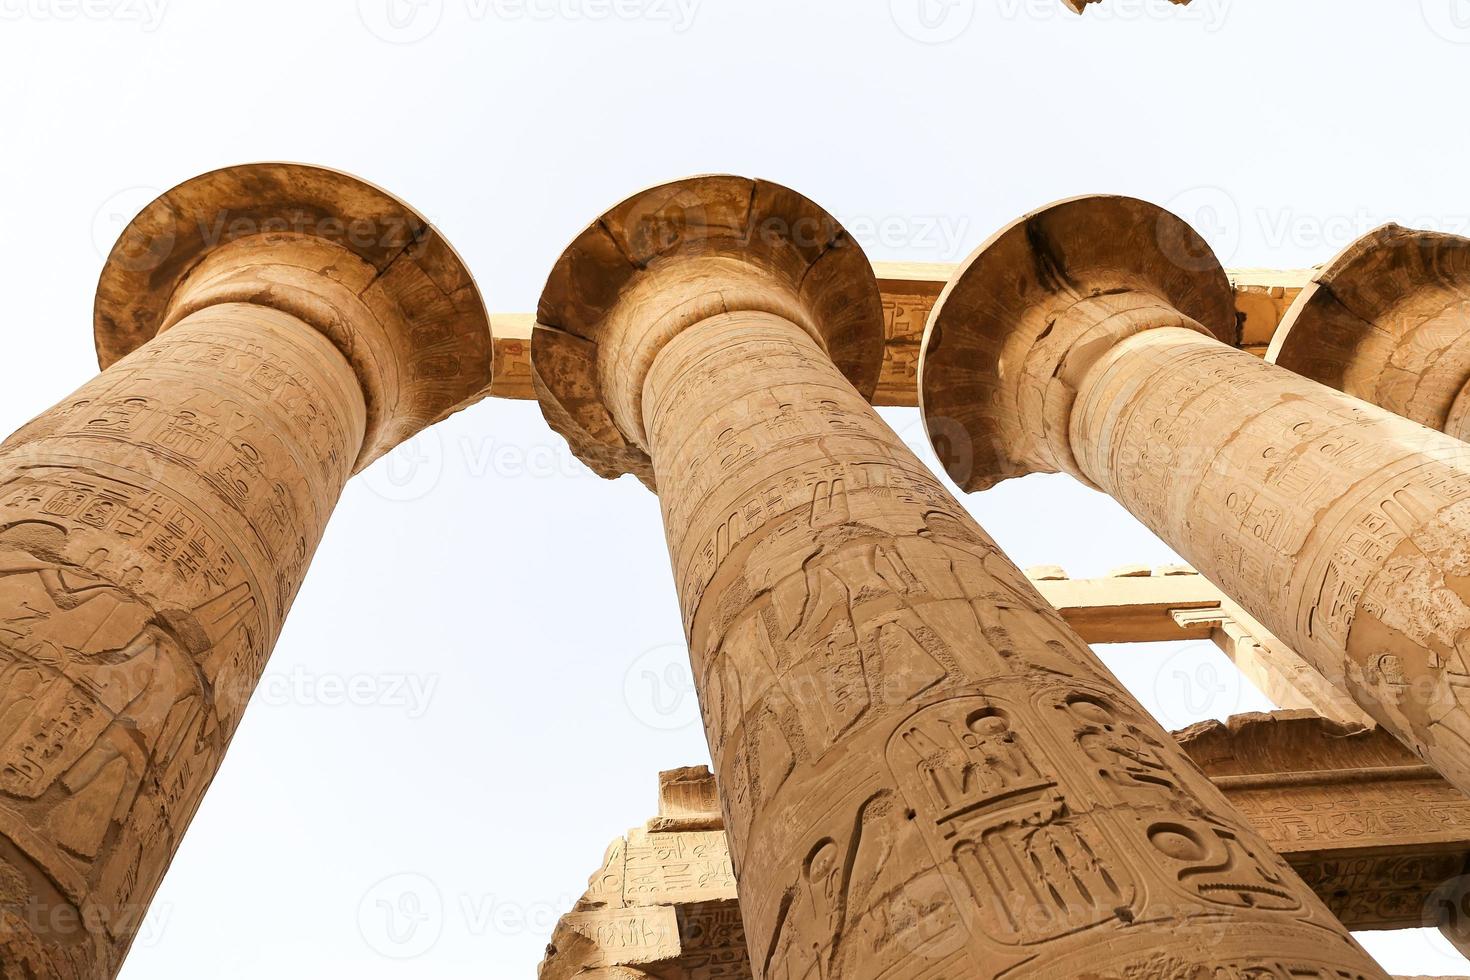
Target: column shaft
<point>154,528</point>
<point>924,772</point>
<point>1342,527</point>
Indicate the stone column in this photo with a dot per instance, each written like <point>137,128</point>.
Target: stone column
<point>923,771</point>
<point>264,331</point>
<point>1388,321</point>
<point>1092,337</point>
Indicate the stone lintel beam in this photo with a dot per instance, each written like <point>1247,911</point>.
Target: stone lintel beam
<point>1388,321</point>
<point>1277,670</point>
<point>1178,603</point>
<point>264,331</point>
<point>1097,337</point>
<point>1132,609</point>
<point>513,355</point>
<point>925,772</point>
<point>910,290</point>
<point>1262,297</point>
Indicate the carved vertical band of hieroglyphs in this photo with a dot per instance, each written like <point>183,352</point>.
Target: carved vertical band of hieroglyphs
<point>154,528</point>
<point>925,772</point>
<point>1341,526</point>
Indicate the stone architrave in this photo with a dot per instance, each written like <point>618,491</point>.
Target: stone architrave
<point>1388,321</point>
<point>1094,337</point>
<point>1177,603</point>
<point>924,771</point>
<point>264,331</point>
<point>910,290</point>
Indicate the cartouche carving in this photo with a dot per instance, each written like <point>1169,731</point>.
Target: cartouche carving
<point>1094,337</point>
<point>156,524</point>
<point>924,772</point>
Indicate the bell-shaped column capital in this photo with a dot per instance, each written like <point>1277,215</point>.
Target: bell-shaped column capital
<point>1388,321</point>
<point>673,256</point>
<point>352,260</point>
<point>1031,310</point>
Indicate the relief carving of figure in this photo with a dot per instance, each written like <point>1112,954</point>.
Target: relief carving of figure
<point>94,685</point>
<point>853,904</point>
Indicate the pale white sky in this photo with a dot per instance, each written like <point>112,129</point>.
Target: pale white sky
<point>504,621</point>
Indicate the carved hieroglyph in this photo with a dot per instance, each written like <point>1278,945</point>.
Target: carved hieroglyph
<point>264,332</point>
<point>1388,321</point>
<point>1093,337</point>
<point>924,772</point>
<point>1376,834</point>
